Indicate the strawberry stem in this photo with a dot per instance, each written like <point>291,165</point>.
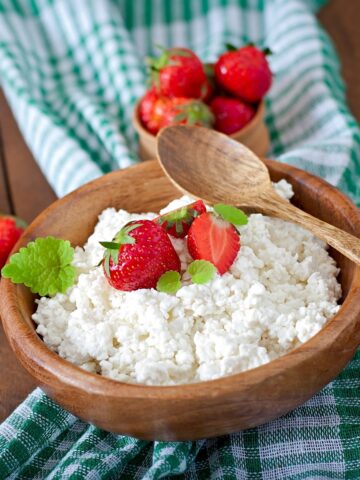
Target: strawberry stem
<point>267,51</point>
<point>230,47</point>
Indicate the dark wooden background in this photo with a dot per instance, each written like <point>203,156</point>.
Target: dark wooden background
<point>25,192</point>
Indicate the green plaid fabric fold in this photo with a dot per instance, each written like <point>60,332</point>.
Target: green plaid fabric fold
<point>72,72</point>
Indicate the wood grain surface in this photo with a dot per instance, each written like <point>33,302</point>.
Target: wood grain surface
<point>204,409</point>
<point>341,20</point>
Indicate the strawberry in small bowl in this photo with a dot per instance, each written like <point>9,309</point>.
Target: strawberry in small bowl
<point>226,96</point>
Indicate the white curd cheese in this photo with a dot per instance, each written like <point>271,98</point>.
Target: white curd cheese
<point>279,292</point>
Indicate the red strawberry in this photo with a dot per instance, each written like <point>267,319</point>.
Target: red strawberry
<point>209,87</point>
<point>153,118</point>
<point>178,72</point>
<point>207,92</point>
<point>245,73</point>
<point>177,222</point>
<point>146,109</point>
<point>231,114</point>
<point>170,111</point>
<point>138,255</point>
<point>184,111</point>
<point>212,238</point>
<point>10,231</point>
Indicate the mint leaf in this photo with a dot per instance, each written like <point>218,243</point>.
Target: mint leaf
<point>169,282</point>
<point>43,265</point>
<point>201,271</point>
<point>231,214</point>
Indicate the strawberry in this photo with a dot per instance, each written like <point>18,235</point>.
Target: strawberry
<point>170,111</point>
<point>177,222</point>
<point>244,72</point>
<point>146,109</point>
<point>207,92</point>
<point>177,72</point>
<point>213,239</point>
<point>138,255</point>
<point>10,230</point>
<point>231,114</point>
<point>185,111</point>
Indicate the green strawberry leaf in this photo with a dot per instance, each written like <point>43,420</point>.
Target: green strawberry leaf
<point>110,245</point>
<point>43,265</point>
<point>230,47</point>
<point>201,271</point>
<point>112,248</point>
<point>267,51</point>
<point>231,214</point>
<point>169,282</point>
<point>209,70</point>
<point>123,237</point>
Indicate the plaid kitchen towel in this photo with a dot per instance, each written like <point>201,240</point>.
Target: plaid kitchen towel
<point>72,72</point>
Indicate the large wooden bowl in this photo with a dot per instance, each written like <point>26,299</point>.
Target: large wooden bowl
<point>203,409</point>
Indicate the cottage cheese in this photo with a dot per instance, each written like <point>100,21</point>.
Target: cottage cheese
<point>279,292</point>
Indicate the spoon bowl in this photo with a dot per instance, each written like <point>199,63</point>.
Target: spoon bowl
<point>217,169</point>
<point>206,157</point>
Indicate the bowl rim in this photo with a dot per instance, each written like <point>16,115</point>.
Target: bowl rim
<point>28,346</point>
<point>249,127</point>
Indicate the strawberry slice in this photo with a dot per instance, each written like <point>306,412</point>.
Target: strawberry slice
<point>213,239</point>
<point>177,222</point>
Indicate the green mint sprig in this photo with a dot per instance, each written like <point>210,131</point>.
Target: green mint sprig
<point>44,266</point>
<point>169,282</point>
<point>201,271</point>
<point>231,214</point>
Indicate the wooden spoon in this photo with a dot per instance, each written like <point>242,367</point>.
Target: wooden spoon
<point>212,166</point>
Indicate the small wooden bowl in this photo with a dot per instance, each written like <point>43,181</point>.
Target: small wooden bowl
<point>254,135</point>
<point>198,410</point>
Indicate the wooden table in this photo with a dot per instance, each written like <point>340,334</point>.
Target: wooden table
<point>25,192</point>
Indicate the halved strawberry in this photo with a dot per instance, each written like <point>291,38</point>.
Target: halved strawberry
<point>177,222</point>
<point>213,239</point>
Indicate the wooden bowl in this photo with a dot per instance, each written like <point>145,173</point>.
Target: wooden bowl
<point>204,409</point>
<point>254,135</point>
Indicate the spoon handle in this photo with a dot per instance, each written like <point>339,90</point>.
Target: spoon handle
<point>344,242</point>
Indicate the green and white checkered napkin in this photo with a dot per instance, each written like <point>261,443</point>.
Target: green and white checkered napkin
<point>72,72</point>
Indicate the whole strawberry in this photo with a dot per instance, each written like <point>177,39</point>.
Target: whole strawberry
<point>177,222</point>
<point>245,73</point>
<point>184,111</point>
<point>171,111</point>
<point>178,72</point>
<point>146,109</point>
<point>10,231</point>
<point>138,255</point>
<point>231,114</point>
<point>213,239</point>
